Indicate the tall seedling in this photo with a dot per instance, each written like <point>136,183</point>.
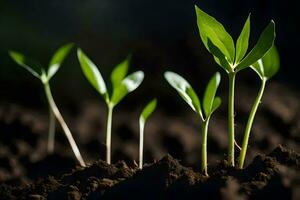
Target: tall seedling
<point>232,57</point>
<point>266,68</point>
<point>121,86</point>
<point>45,76</point>
<point>210,104</point>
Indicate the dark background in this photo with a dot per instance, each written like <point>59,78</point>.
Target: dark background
<point>161,35</point>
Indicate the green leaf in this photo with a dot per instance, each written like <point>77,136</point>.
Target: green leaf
<point>24,62</point>
<point>119,72</point>
<point>258,68</point>
<point>210,92</point>
<point>264,43</point>
<point>92,73</point>
<point>148,110</point>
<point>268,66</point>
<point>210,28</point>
<point>185,90</point>
<point>216,104</point>
<point>219,56</point>
<point>57,59</point>
<point>243,42</point>
<point>129,84</point>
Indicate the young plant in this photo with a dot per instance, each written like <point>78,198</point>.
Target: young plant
<point>232,57</point>
<point>45,76</point>
<point>265,67</point>
<point>147,111</point>
<point>121,86</point>
<point>210,104</point>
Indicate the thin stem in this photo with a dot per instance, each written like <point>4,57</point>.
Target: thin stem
<point>141,148</point>
<point>51,132</point>
<point>63,124</point>
<point>250,123</point>
<point>204,146</point>
<point>231,119</point>
<point>108,134</point>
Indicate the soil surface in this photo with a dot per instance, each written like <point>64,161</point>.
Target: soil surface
<point>275,176</point>
<point>172,149</point>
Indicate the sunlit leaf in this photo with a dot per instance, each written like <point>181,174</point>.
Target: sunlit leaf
<point>264,43</point>
<point>184,89</point>
<point>210,28</point>
<point>129,84</point>
<point>210,92</point>
<point>24,62</point>
<point>148,110</point>
<point>57,59</point>
<point>243,41</point>
<point>119,72</point>
<point>268,65</point>
<point>216,104</point>
<point>92,73</point>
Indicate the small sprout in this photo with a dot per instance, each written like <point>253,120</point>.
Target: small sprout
<point>210,104</point>
<point>45,77</point>
<point>121,86</point>
<point>232,58</point>
<point>265,67</point>
<point>148,110</point>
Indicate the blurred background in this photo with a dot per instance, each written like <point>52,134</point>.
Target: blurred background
<point>161,35</point>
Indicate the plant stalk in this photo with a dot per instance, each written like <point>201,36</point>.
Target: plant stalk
<point>204,146</point>
<point>250,123</point>
<point>231,118</point>
<point>141,148</point>
<point>108,134</point>
<point>63,124</point>
<point>51,132</point>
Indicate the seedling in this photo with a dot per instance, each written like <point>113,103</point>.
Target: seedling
<point>121,86</point>
<point>265,67</point>
<point>45,77</point>
<point>210,104</point>
<point>232,58</point>
<point>147,111</point>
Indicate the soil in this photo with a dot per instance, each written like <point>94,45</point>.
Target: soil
<point>172,149</point>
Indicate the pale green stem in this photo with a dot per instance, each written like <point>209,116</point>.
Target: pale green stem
<point>231,119</point>
<point>51,132</point>
<point>108,134</point>
<point>63,124</point>
<point>204,146</point>
<point>250,123</point>
<point>141,147</point>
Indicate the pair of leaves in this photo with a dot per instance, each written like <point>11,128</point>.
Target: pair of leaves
<point>185,90</point>
<point>147,111</point>
<point>219,42</point>
<point>267,66</point>
<point>35,69</point>
<point>122,84</point>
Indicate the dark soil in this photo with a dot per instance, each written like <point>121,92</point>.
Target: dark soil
<point>272,171</point>
<point>273,176</point>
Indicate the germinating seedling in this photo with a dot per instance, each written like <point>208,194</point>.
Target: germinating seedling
<point>265,67</point>
<point>147,111</point>
<point>45,77</point>
<point>121,86</point>
<point>232,57</point>
<point>210,104</point>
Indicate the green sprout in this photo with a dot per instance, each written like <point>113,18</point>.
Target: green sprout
<point>265,67</point>
<point>210,104</point>
<point>147,111</point>
<point>232,57</point>
<point>45,76</point>
<point>121,86</point>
